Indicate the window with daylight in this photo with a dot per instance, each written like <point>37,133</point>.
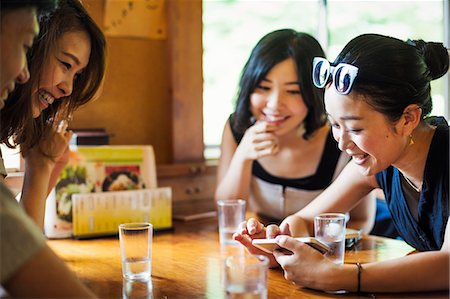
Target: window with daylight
<point>231,28</point>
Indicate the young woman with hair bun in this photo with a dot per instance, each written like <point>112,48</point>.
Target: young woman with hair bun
<point>378,101</point>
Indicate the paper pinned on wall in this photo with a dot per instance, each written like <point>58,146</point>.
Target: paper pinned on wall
<point>135,18</point>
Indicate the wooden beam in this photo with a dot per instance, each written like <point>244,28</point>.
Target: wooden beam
<point>186,77</point>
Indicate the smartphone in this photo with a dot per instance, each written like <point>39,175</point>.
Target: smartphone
<point>269,245</point>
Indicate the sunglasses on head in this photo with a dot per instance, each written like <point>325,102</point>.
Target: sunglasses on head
<point>343,75</point>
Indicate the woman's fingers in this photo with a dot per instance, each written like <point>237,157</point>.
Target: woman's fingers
<point>288,243</point>
<point>263,126</point>
<point>272,231</point>
<point>56,141</point>
<point>242,228</point>
<point>68,135</point>
<point>263,145</point>
<point>259,141</point>
<point>265,148</point>
<point>254,226</point>
<point>62,130</point>
<point>62,126</point>
<point>246,241</point>
<point>285,229</point>
<point>243,239</point>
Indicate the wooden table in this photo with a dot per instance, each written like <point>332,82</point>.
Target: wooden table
<point>187,263</point>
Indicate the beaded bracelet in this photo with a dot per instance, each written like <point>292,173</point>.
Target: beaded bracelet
<point>359,277</point>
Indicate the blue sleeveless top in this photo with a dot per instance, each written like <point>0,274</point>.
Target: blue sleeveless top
<point>428,233</point>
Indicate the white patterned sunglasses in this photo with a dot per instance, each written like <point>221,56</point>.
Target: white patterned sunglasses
<point>343,75</point>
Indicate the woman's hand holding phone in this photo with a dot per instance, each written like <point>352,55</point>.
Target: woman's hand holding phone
<point>252,229</point>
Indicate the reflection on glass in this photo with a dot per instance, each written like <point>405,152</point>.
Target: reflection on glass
<point>134,289</point>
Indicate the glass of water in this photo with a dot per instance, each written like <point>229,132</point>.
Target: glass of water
<point>231,212</point>
<point>330,229</point>
<point>246,276</point>
<point>136,249</point>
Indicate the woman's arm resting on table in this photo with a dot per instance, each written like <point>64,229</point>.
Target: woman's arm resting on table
<point>424,271</point>
<point>341,196</point>
<point>46,276</point>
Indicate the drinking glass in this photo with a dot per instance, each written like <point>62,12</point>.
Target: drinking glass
<point>231,213</point>
<point>246,276</point>
<point>136,249</point>
<point>330,229</point>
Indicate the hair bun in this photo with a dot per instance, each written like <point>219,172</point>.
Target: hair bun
<point>436,57</point>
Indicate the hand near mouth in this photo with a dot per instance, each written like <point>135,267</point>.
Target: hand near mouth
<point>267,126</point>
<point>259,141</point>
<point>44,163</point>
<point>54,144</point>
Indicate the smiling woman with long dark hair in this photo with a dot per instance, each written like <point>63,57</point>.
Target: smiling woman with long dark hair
<point>377,97</point>
<point>24,117</point>
<point>277,149</point>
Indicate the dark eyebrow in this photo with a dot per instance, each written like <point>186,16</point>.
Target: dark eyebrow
<point>74,58</point>
<point>350,117</point>
<point>287,83</point>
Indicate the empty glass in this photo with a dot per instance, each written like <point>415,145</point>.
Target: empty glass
<point>136,249</point>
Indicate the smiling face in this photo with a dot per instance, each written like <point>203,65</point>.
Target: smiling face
<point>277,99</point>
<point>64,64</point>
<point>18,29</point>
<point>363,133</point>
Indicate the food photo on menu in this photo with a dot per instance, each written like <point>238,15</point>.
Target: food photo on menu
<point>97,169</point>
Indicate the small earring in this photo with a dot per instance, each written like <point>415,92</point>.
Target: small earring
<point>411,141</point>
<point>252,120</point>
<point>301,130</point>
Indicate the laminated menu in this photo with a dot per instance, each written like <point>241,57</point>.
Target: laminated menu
<point>100,169</point>
<point>99,214</point>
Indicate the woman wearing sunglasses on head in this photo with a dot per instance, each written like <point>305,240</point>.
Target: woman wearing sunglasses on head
<point>277,149</point>
<point>377,96</point>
